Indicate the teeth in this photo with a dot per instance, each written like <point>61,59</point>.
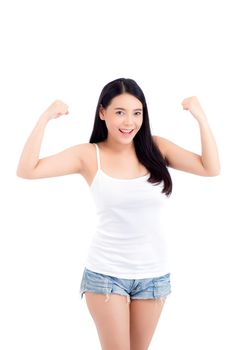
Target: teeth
<point>127,131</point>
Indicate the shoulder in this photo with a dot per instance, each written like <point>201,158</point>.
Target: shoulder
<point>161,143</point>
<point>88,158</point>
<point>84,150</point>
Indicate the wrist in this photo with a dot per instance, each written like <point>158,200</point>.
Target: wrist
<point>202,118</point>
<point>45,117</point>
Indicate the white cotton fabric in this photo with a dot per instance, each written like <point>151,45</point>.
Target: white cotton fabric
<point>129,240</point>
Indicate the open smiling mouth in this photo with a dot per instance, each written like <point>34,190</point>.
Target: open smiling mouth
<point>126,131</point>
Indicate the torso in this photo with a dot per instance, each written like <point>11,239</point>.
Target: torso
<point>113,165</point>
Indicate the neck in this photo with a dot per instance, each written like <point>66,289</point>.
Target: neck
<point>118,147</point>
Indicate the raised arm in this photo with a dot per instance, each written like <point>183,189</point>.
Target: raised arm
<point>66,162</point>
<point>206,164</point>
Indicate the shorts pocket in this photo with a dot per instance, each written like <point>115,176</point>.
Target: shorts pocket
<point>162,286</point>
<point>96,279</point>
<point>95,282</point>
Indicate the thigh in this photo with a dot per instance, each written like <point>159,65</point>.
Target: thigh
<point>146,306</point>
<point>144,317</point>
<point>111,319</point>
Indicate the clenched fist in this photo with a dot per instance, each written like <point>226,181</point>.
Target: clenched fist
<point>56,109</point>
<point>193,105</point>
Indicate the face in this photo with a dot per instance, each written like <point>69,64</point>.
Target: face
<point>123,117</point>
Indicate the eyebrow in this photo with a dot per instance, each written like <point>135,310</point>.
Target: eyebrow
<point>137,109</point>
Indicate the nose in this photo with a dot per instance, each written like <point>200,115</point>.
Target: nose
<point>128,120</point>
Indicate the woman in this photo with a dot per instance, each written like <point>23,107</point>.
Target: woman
<point>127,170</point>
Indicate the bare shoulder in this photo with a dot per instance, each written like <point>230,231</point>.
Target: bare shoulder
<point>161,142</point>
<point>89,161</point>
<point>87,153</point>
<point>85,150</point>
<point>79,152</point>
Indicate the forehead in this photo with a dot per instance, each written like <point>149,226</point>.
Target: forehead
<point>126,101</point>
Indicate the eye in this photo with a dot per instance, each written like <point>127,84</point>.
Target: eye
<point>118,112</point>
<point>138,113</point>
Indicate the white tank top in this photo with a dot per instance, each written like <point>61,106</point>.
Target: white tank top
<point>129,240</point>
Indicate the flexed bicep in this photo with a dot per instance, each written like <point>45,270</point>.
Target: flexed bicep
<point>180,158</point>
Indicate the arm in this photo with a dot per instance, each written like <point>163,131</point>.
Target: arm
<point>209,157</point>
<point>30,154</point>
<point>65,162</point>
<point>206,164</point>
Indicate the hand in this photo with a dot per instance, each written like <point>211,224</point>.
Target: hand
<point>55,110</point>
<point>193,105</point>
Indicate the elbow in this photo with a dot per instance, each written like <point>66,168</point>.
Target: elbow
<point>216,173</point>
<point>23,175</point>
<point>19,173</point>
<point>213,173</point>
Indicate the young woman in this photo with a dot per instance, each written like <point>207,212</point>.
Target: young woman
<point>126,278</point>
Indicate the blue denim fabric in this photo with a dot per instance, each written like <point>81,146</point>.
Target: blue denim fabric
<point>144,288</point>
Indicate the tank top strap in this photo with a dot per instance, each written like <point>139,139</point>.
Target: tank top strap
<point>98,155</point>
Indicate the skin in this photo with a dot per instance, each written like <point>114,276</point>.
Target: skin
<point>120,325</point>
<point>124,112</point>
<point>72,159</point>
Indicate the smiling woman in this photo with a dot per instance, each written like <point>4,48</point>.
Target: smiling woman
<point>127,268</point>
<point>122,107</point>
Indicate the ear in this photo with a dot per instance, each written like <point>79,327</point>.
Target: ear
<point>101,112</point>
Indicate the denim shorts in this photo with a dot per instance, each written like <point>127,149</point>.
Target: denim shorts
<point>144,288</point>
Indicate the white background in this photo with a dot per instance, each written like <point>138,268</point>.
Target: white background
<point>69,50</point>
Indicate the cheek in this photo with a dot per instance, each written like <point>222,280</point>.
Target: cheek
<point>111,125</point>
<point>139,123</point>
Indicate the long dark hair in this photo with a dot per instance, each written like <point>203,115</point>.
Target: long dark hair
<point>146,149</point>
